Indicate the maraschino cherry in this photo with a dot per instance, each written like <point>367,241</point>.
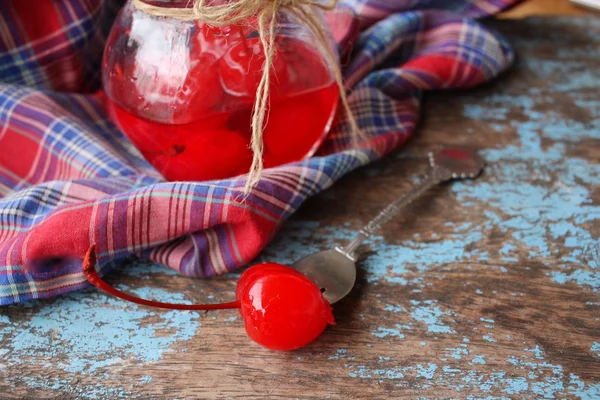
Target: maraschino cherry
<point>282,309</point>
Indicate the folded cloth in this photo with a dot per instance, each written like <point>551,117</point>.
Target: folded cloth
<point>69,178</point>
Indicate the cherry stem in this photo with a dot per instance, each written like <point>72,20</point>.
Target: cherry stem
<point>89,270</point>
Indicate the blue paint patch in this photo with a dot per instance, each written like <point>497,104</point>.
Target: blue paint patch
<point>450,370</point>
<point>146,379</point>
<point>426,372</point>
<point>582,390</point>
<point>542,378</point>
<point>507,249</point>
<point>457,352</point>
<point>5,327</point>
<point>478,112</point>
<point>515,385</point>
<point>364,372</point>
<point>547,388</point>
<point>479,359</point>
<point>394,308</point>
<point>361,372</point>
<point>340,353</point>
<point>393,373</point>
<point>537,352</point>
<point>99,331</point>
<point>489,338</point>
<point>580,277</point>
<point>540,217</point>
<point>382,332</point>
<point>97,391</point>
<point>596,348</point>
<point>431,315</point>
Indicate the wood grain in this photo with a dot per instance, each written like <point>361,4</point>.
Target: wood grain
<point>483,289</point>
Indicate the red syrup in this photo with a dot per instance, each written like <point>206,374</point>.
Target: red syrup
<point>217,146</point>
<point>282,309</point>
<point>198,126</point>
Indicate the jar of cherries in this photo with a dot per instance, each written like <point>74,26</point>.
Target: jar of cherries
<point>183,91</point>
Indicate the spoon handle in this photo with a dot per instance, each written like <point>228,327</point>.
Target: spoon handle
<point>435,176</point>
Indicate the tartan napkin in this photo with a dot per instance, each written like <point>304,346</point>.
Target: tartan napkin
<point>68,176</point>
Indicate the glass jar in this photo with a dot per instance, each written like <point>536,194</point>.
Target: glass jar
<point>183,92</point>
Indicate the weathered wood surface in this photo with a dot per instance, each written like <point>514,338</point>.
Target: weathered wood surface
<point>483,289</point>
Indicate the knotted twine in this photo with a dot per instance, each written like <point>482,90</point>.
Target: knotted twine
<point>236,11</point>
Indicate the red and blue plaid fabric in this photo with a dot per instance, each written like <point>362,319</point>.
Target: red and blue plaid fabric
<point>69,178</point>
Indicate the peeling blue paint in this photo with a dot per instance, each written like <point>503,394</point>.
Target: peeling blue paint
<point>432,315</point>
<point>580,277</point>
<point>515,385</point>
<point>394,308</point>
<point>457,352</point>
<point>537,352</point>
<point>479,359</point>
<point>96,391</point>
<point>99,331</point>
<point>489,338</point>
<point>540,377</point>
<point>596,348</point>
<point>340,353</point>
<point>426,372</point>
<point>557,212</point>
<point>582,390</point>
<point>382,332</point>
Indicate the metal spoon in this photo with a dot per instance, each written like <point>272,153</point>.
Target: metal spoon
<point>334,270</point>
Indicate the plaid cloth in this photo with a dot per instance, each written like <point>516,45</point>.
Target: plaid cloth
<point>68,176</point>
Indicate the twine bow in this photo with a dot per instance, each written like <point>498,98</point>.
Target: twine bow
<point>236,11</point>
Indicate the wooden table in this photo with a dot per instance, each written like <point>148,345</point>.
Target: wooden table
<point>483,289</point>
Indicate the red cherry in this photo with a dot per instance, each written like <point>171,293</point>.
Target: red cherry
<point>143,133</point>
<point>297,125</point>
<point>282,309</point>
<point>211,154</point>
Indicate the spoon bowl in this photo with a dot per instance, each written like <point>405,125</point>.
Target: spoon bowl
<point>332,270</point>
